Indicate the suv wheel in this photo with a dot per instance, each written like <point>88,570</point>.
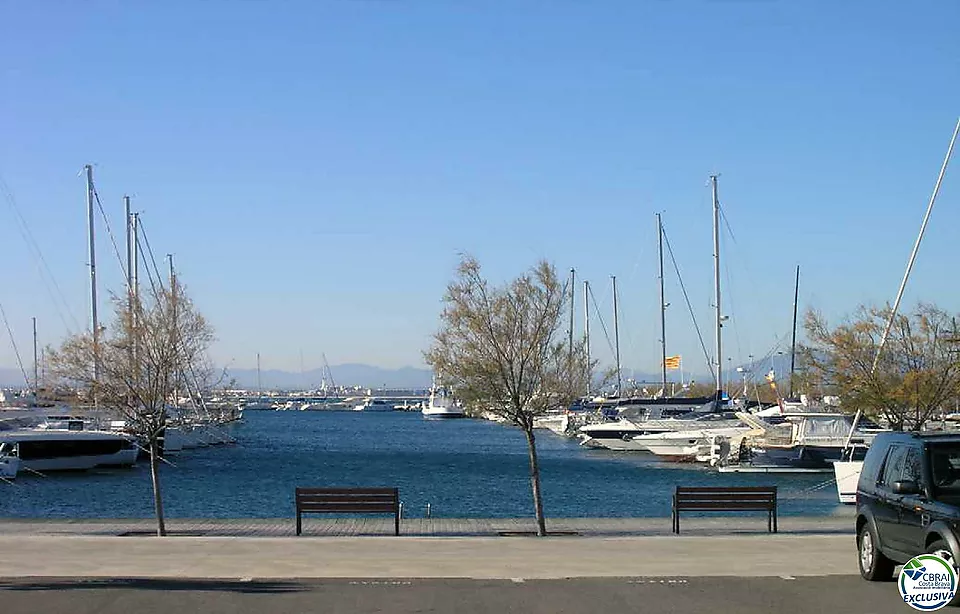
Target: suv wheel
<point>941,549</point>
<point>874,565</point>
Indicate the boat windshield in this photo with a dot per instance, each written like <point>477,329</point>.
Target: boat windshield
<point>8,449</point>
<point>945,470</point>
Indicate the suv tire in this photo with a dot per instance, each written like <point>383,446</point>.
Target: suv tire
<point>941,549</point>
<point>874,565</point>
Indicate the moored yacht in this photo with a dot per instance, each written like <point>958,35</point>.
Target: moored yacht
<point>70,450</point>
<point>441,404</point>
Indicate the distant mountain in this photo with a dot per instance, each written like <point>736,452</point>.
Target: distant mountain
<point>368,376</point>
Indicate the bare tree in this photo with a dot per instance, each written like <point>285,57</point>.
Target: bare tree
<point>138,365</point>
<point>918,371</point>
<point>503,350</point>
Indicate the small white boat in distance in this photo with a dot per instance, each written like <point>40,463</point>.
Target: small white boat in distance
<point>371,404</point>
<point>440,404</point>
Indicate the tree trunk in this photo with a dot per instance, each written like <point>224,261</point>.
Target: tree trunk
<point>155,476</point>
<point>535,481</point>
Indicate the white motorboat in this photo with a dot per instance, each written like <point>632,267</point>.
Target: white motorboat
<point>685,445</point>
<point>441,404</point>
<point>66,450</point>
<point>371,404</point>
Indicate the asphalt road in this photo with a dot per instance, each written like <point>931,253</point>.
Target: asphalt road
<point>802,595</point>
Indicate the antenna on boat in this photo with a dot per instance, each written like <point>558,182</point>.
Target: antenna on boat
<point>716,282</point>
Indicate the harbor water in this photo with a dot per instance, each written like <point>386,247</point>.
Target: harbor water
<point>461,468</point>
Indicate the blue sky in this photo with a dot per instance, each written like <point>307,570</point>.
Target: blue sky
<point>317,167</point>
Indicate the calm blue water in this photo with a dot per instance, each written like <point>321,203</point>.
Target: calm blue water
<point>463,468</point>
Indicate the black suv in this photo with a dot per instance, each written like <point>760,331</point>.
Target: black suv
<point>908,501</point>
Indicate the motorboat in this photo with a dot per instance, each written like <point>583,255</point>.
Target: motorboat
<point>69,450</point>
<point>441,404</point>
<point>372,404</point>
<point>800,442</point>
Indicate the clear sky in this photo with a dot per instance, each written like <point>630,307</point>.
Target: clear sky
<point>317,167</point>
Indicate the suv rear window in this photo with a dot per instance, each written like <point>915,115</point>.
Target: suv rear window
<point>945,469</point>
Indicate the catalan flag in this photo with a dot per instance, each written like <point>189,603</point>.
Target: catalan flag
<point>672,362</point>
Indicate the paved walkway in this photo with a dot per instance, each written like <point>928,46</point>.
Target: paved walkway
<point>426,557</point>
<point>427,548</point>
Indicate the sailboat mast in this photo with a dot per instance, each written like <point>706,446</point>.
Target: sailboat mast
<point>793,342</point>
<point>616,334</point>
<point>586,329</point>
<point>126,210</point>
<point>716,282</point>
<point>134,231</point>
<point>573,295</point>
<point>36,364</point>
<point>259,384</point>
<point>94,323</point>
<point>663,309</point>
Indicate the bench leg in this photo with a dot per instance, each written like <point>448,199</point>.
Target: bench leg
<point>298,523</point>
<point>396,524</point>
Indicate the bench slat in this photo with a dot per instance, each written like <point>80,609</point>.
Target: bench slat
<point>357,508</point>
<point>727,505</point>
<point>725,497</point>
<point>719,489</point>
<point>347,491</point>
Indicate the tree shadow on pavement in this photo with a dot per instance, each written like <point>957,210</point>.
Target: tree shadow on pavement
<point>173,584</point>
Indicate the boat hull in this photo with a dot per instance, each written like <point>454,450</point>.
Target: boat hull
<point>847,474</point>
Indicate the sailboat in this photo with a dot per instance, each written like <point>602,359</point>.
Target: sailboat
<point>260,403</point>
<point>847,472</point>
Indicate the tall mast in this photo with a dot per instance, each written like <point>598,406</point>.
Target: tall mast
<point>663,309</point>
<point>134,230</point>
<point>94,323</point>
<point>716,282</point>
<point>259,385</point>
<point>573,294</point>
<point>586,329</point>
<point>616,333</point>
<point>126,210</point>
<point>793,342</point>
<point>36,364</point>
<point>175,340</point>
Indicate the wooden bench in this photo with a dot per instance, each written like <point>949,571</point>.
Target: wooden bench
<point>348,501</point>
<point>724,499</point>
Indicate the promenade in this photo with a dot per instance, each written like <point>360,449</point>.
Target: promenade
<point>428,548</point>
<point>469,566</point>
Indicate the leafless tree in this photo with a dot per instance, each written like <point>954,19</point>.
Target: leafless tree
<point>503,349</point>
<point>139,364</point>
